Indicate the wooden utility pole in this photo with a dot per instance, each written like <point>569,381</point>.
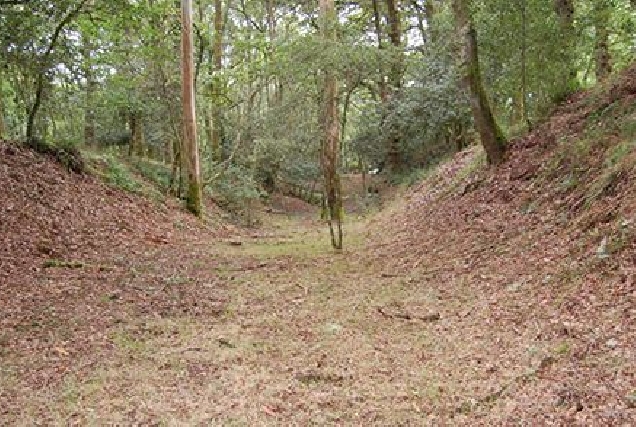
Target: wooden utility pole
<point>190,147</point>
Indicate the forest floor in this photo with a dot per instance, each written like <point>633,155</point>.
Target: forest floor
<point>481,297</point>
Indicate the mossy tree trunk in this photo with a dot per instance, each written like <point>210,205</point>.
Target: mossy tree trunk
<point>602,11</point>
<point>137,139</point>
<point>491,136</point>
<point>395,163</point>
<point>565,13</point>
<point>331,128</point>
<point>190,150</point>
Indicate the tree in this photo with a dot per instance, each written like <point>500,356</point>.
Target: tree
<point>45,65</point>
<point>394,160</point>
<point>602,11</point>
<point>565,13</point>
<point>330,124</point>
<point>190,147</point>
<point>491,136</point>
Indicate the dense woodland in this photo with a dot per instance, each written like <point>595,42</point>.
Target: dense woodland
<point>293,93</point>
<point>480,155</point>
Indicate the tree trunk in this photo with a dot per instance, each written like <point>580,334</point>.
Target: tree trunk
<point>429,12</point>
<point>331,138</point>
<point>136,134</point>
<point>603,58</point>
<point>89,113</point>
<point>190,152</point>
<point>44,66</point>
<point>345,109</point>
<point>394,157</point>
<point>491,137</point>
<point>3,127</point>
<point>565,12</point>
<point>271,25</point>
<point>216,134</point>
<point>524,64</point>
<point>91,87</point>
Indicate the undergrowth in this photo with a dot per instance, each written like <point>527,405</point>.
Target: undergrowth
<point>119,175</point>
<point>65,153</point>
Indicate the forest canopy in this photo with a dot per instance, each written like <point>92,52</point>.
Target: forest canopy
<point>107,74</point>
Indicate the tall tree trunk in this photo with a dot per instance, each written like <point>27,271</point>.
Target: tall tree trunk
<point>524,67</point>
<point>331,138</point>
<point>137,139</point>
<point>190,150</point>
<point>382,83</point>
<point>378,31</point>
<point>217,55</point>
<point>3,127</point>
<point>429,12</point>
<point>394,157</point>
<point>271,27</point>
<point>44,65</point>
<point>603,59</point>
<point>89,114</point>
<point>345,109</point>
<point>565,12</point>
<point>89,108</point>
<point>491,137</point>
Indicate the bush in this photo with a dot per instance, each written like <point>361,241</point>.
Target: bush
<point>65,154</point>
<point>117,174</point>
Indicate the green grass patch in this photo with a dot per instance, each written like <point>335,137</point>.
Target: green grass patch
<point>56,263</point>
<point>157,173</point>
<point>127,343</point>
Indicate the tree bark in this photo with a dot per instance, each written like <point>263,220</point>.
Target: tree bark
<point>491,137</point>
<point>136,134</point>
<point>524,62</point>
<point>216,134</point>
<point>3,127</point>
<point>331,138</point>
<point>43,68</point>
<point>394,157</point>
<point>429,12</point>
<point>190,150</point>
<point>602,53</point>
<point>91,87</point>
<point>565,12</point>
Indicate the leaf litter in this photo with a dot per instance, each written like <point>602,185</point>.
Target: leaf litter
<point>479,299</point>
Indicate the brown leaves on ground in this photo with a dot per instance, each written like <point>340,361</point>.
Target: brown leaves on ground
<point>486,297</point>
<point>70,250</point>
<point>525,255</point>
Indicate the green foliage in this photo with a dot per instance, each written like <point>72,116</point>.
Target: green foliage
<point>64,153</point>
<point>267,98</point>
<point>237,191</point>
<point>118,174</point>
<point>155,172</point>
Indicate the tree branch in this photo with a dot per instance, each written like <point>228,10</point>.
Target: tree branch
<point>43,66</point>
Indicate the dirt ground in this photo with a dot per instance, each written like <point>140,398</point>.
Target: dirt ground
<point>273,328</point>
<point>479,297</point>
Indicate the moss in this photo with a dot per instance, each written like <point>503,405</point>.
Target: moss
<point>193,199</point>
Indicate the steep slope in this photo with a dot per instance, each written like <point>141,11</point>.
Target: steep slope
<point>49,213</point>
<point>533,267</point>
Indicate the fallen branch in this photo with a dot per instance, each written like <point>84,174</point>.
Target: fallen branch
<point>434,317</point>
